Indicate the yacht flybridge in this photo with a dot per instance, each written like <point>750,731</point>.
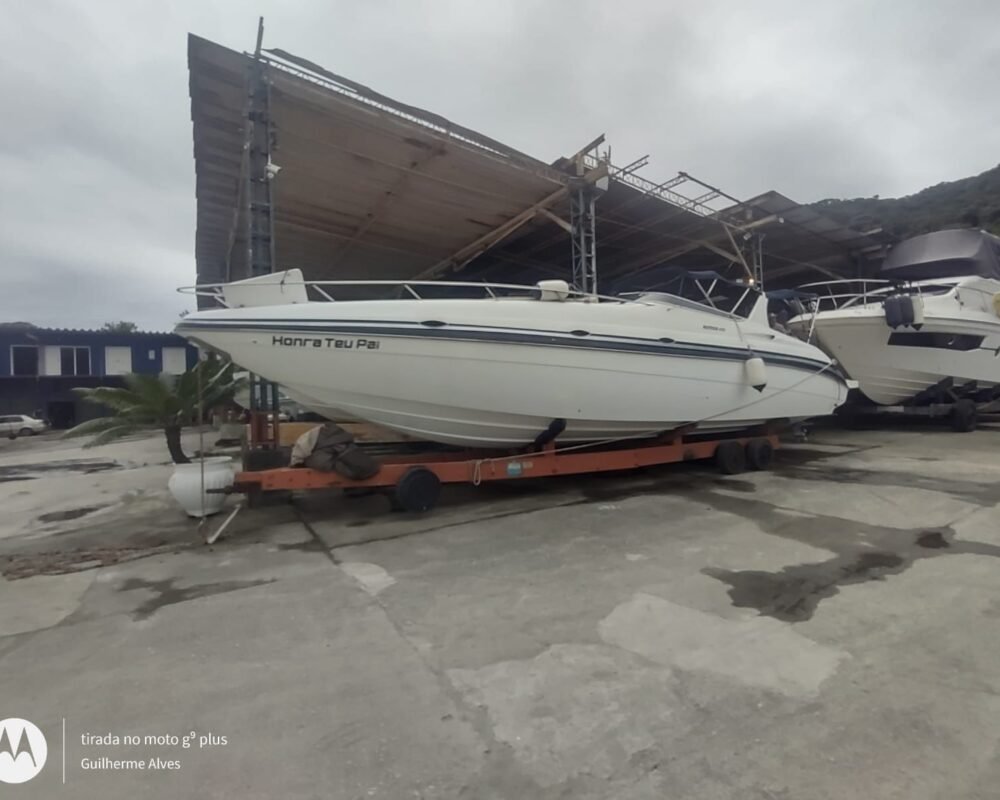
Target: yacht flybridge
<point>492,365</point>
<point>927,330</point>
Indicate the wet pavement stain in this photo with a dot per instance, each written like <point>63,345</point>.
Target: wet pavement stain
<point>863,552</point>
<point>793,593</point>
<point>69,513</point>
<point>166,593</point>
<point>933,539</point>
<point>984,494</point>
<point>305,546</point>
<point>688,477</point>
<point>801,456</point>
<point>100,468</point>
<point>685,479</point>
<point>29,471</point>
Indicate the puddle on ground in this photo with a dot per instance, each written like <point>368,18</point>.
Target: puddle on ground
<point>69,513</point>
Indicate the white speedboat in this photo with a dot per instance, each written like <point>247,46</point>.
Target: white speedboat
<point>927,329</point>
<point>501,367</point>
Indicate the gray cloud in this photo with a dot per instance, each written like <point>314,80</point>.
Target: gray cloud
<point>820,99</point>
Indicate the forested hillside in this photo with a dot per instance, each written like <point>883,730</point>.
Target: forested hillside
<point>968,202</point>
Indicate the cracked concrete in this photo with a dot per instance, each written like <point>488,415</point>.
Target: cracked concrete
<point>826,630</point>
<point>754,651</point>
<point>42,602</point>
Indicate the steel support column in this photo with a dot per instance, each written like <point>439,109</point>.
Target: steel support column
<point>757,258</point>
<point>259,140</point>
<point>583,219</point>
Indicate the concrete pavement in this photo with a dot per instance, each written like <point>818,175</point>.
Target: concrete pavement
<point>826,630</point>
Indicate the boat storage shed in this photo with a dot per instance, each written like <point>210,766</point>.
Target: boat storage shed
<point>318,172</point>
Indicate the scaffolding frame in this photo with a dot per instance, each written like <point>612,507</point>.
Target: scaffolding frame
<point>259,213</point>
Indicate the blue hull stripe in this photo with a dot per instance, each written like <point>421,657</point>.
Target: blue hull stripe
<point>450,332</point>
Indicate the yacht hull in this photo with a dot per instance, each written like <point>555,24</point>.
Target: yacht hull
<point>486,373</point>
<point>958,341</point>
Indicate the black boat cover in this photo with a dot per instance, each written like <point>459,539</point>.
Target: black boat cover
<point>944,254</point>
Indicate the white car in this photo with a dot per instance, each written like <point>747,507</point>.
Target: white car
<point>21,425</point>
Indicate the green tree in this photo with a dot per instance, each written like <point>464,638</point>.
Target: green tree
<point>120,327</point>
<point>166,402</point>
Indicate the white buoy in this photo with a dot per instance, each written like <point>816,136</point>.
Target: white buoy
<point>756,373</point>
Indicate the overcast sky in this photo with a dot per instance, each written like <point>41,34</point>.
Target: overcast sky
<point>826,98</point>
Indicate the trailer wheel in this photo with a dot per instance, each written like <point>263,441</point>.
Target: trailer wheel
<point>760,453</point>
<point>730,458</point>
<point>963,416</point>
<point>850,416</point>
<point>417,490</point>
<point>255,498</point>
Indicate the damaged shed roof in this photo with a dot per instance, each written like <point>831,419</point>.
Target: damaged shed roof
<point>371,188</point>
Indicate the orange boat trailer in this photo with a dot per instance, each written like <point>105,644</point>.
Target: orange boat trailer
<point>414,481</point>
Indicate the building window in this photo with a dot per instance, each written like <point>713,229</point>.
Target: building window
<point>74,360</point>
<point>23,359</point>
<point>174,360</point>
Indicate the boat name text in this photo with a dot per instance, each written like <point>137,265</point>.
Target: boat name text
<point>325,341</point>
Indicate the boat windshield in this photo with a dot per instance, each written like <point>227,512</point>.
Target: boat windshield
<point>702,290</point>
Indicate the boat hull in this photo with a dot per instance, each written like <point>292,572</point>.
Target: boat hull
<point>500,385</point>
<point>893,367</point>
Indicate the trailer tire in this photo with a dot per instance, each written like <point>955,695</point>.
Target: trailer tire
<point>730,458</point>
<point>255,498</point>
<point>759,454</point>
<point>417,490</point>
<point>851,417</point>
<point>964,416</point>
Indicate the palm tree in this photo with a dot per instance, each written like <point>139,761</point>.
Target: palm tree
<point>158,401</point>
<point>119,327</point>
